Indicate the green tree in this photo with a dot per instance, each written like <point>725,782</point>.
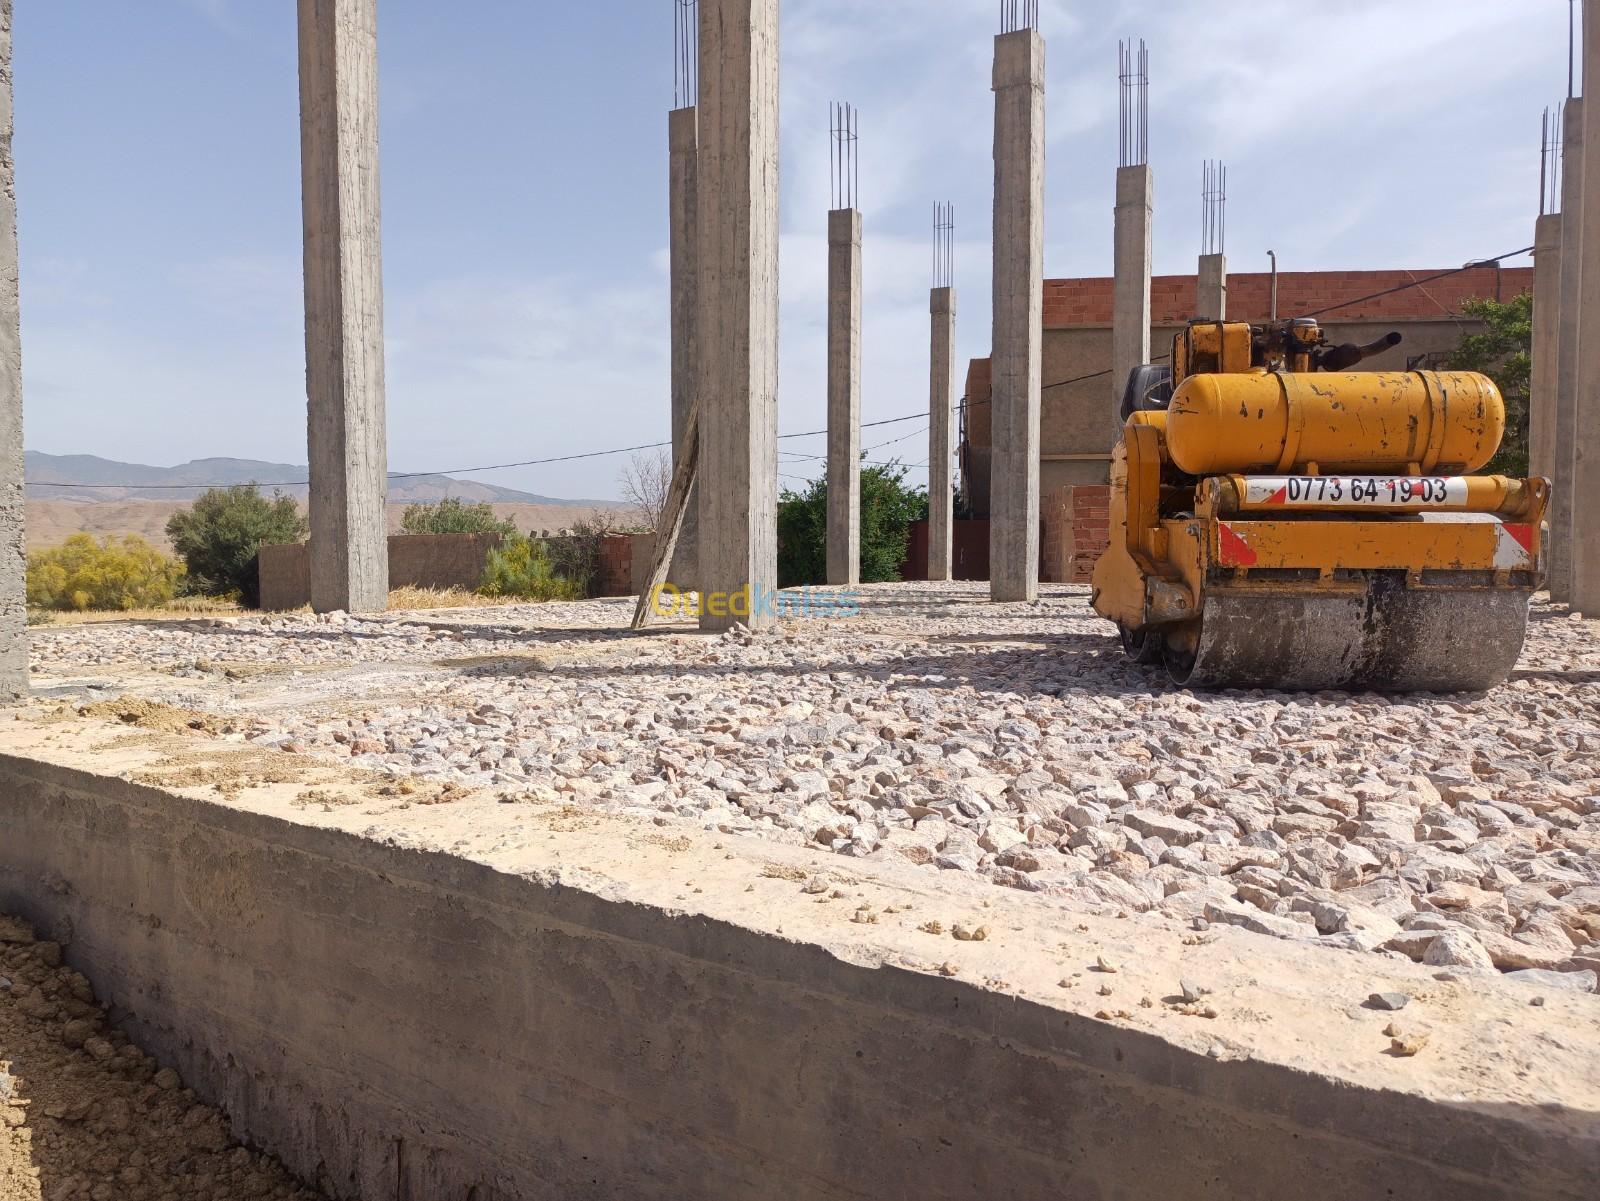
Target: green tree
<point>117,573</point>
<point>453,516</point>
<point>1503,352</point>
<point>221,535</point>
<point>888,507</point>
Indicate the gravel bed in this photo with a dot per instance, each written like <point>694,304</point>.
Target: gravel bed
<point>1015,742</point>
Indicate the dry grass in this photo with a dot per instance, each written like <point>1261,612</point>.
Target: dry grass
<point>447,598</point>
<point>180,609</point>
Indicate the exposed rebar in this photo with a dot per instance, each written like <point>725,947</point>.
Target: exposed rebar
<point>1017,15</point>
<point>944,245</point>
<point>685,53</point>
<point>1133,76</point>
<point>1214,207</point>
<point>1551,153</point>
<point>843,135</point>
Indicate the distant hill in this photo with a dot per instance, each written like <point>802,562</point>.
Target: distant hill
<point>97,480</point>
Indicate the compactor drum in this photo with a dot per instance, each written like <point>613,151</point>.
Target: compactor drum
<point>1279,520</point>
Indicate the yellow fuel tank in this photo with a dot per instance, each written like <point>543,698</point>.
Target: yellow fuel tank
<point>1444,423</point>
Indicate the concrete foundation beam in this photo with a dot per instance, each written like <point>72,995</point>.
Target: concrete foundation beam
<point>1546,345</point>
<point>941,421</point>
<point>397,1021</point>
<point>1019,150</point>
<point>1586,415</point>
<point>1572,245</point>
<point>1211,289</point>
<point>738,330</point>
<point>844,397</point>
<point>1130,314</point>
<point>13,553</point>
<point>683,138</point>
<point>346,435</point>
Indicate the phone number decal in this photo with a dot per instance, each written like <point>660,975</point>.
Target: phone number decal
<point>1354,491</point>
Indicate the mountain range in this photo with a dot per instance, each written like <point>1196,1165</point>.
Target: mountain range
<point>88,478</point>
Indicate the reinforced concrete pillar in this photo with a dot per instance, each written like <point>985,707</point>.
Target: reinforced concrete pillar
<point>1586,417</point>
<point>1211,293</point>
<point>738,334</point>
<point>941,420</point>
<point>1546,345</point>
<point>344,305</point>
<point>683,138</point>
<point>1559,556</point>
<point>1018,314</point>
<point>1130,315</point>
<point>844,397</point>
<point>13,557</point>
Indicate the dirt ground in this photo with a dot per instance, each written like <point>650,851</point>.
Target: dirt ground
<point>86,1114</point>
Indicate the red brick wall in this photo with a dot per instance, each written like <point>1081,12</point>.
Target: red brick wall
<point>969,551</point>
<point>1077,530</point>
<point>616,565</point>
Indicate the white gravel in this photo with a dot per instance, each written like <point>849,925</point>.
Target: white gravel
<point>1012,741</point>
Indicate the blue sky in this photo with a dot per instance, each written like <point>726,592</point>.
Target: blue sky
<point>524,175</point>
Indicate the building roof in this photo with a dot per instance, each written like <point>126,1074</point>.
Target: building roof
<point>1079,302</point>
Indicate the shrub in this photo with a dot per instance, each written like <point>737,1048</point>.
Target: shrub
<point>1503,352</point>
<point>522,568</point>
<point>575,555</point>
<point>221,535</point>
<point>117,573</point>
<point>888,507</point>
<point>452,516</point>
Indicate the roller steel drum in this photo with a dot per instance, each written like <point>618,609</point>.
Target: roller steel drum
<point>1389,638</point>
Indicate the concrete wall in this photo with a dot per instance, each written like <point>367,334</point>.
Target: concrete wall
<point>1544,381</point>
<point>683,184</point>
<point>346,425</point>
<point>406,1024</point>
<point>13,554</point>
<point>415,561</point>
<point>737,327</point>
<point>1018,278</point>
<point>1559,554</point>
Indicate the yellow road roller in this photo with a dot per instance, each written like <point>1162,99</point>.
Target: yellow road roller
<point>1280,520</point>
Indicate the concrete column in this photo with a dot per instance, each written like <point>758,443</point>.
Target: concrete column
<point>1018,314</point>
<point>1130,315</point>
<point>13,557</point>
<point>344,305</point>
<point>1559,555</point>
<point>1546,345</point>
<point>1586,412</point>
<point>941,421</point>
<point>844,397</point>
<point>738,246</point>
<point>1210,295</point>
<point>683,139</point>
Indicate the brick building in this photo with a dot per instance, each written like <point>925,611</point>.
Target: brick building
<point>1079,412</point>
